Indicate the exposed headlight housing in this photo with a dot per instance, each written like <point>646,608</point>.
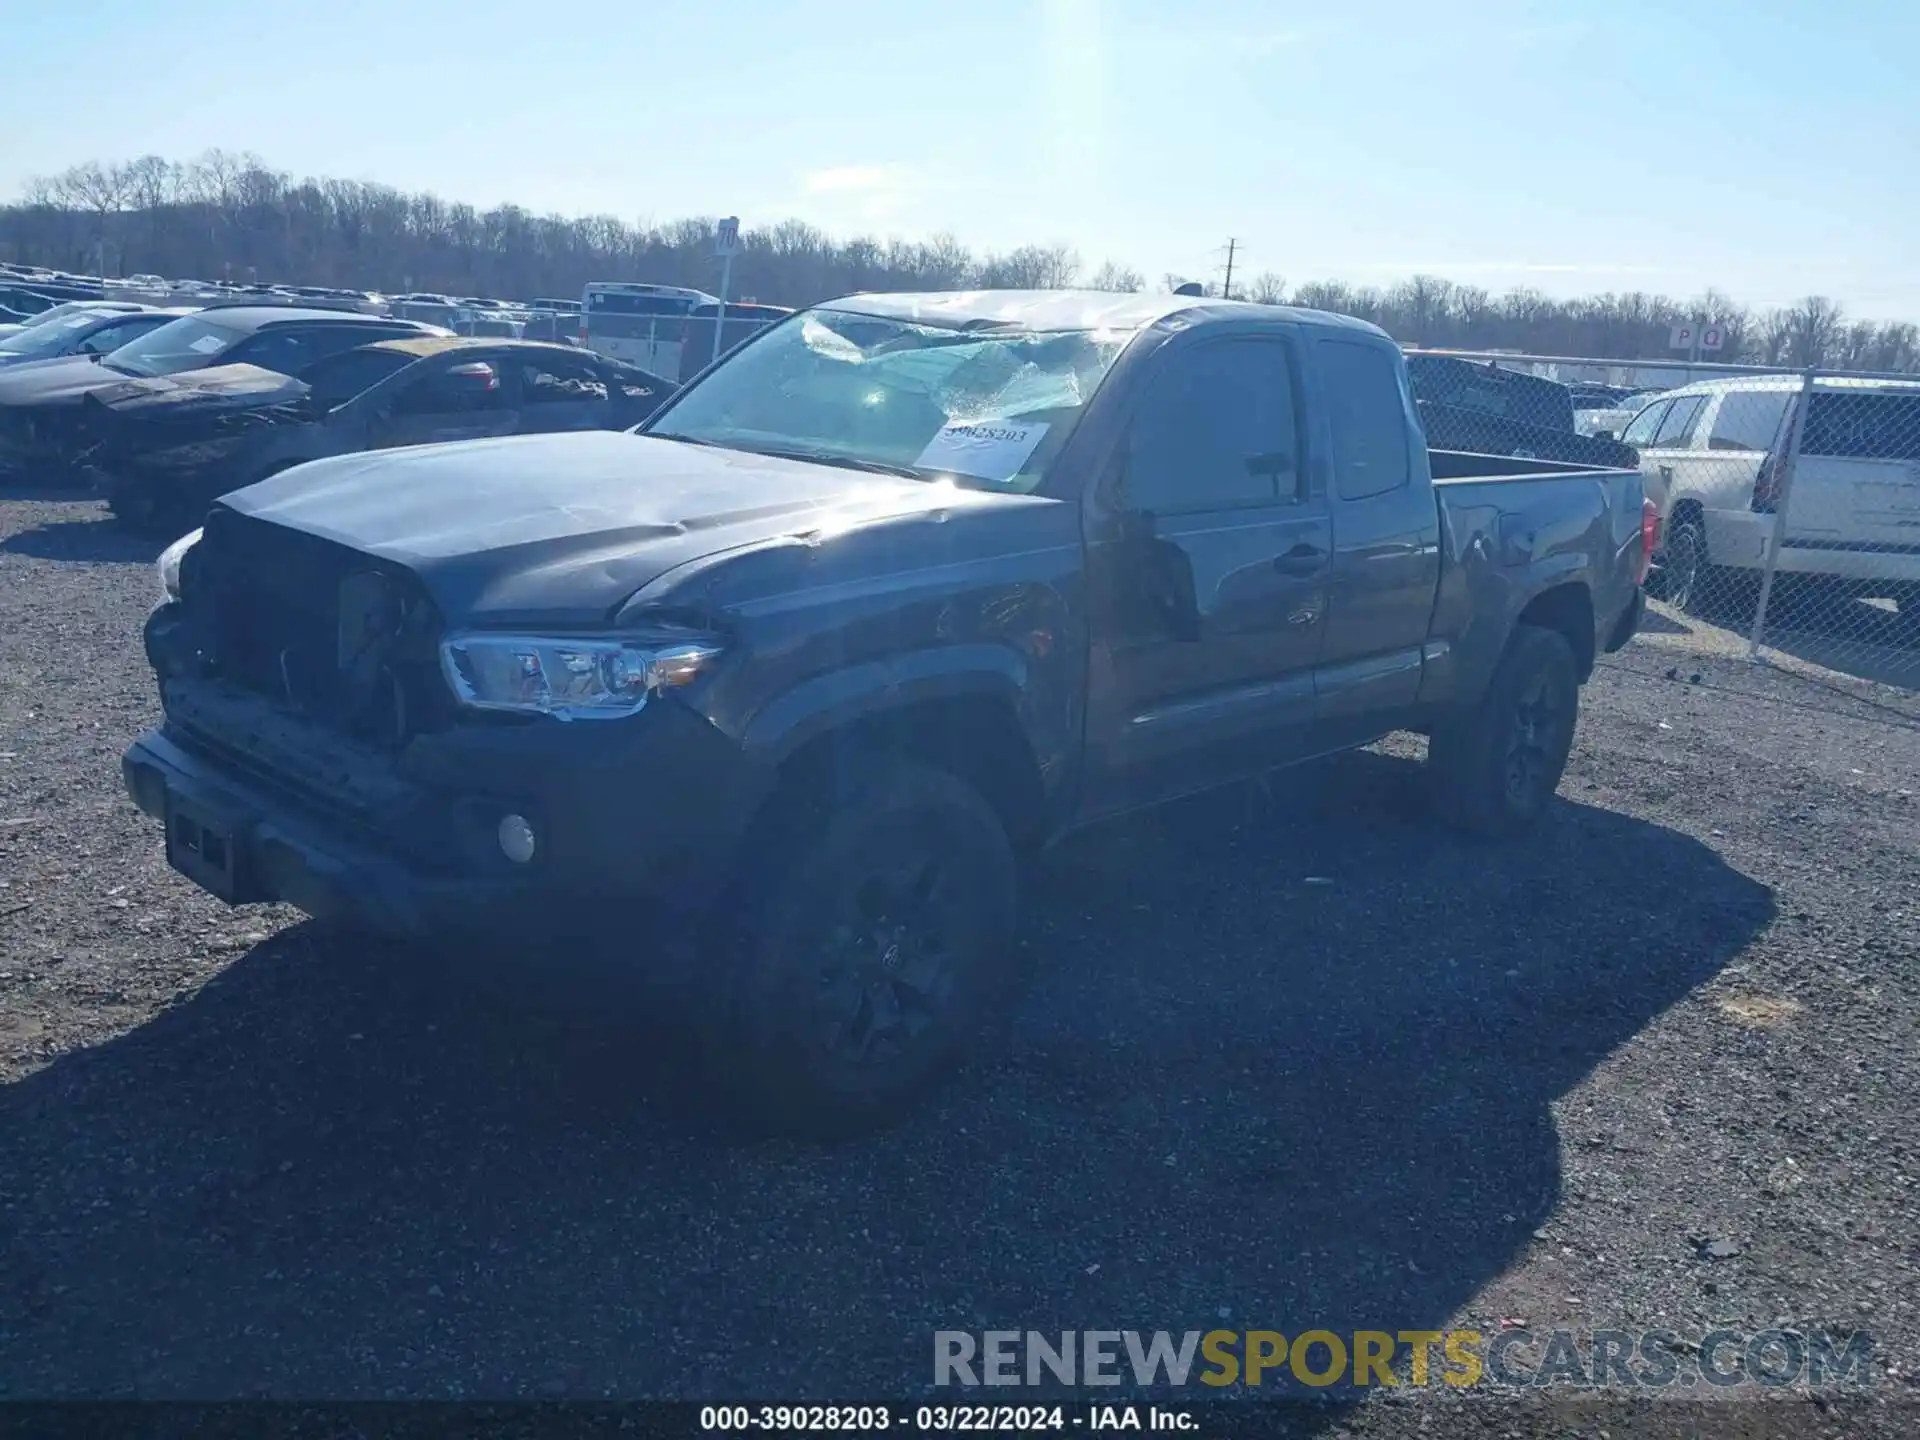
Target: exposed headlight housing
<point>571,677</point>
<point>168,565</point>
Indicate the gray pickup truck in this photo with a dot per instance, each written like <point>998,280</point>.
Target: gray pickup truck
<point>903,588</point>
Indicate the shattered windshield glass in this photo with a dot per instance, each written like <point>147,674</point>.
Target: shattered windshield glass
<point>988,408</point>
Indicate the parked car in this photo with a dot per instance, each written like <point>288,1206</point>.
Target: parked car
<point>87,332</point>
<point>902,588</point>
<point>1608,423</point>
<point>1489,410</point>
<point>82,307</point>
<point>1710,457</point>
<point>170,445</point>
<point>24,300</point>
<point>41,433</point>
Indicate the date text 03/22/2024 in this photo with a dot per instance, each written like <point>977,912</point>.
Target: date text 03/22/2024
<point>940,1419</point>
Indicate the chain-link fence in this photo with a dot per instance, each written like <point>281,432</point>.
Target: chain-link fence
<point>1789,501</point>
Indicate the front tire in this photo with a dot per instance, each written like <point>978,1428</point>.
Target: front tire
<point>877,946</point>
<point>1496,767</point>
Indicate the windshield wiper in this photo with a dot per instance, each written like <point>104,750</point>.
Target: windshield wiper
<point>830,457</point>
<point>811,457</point>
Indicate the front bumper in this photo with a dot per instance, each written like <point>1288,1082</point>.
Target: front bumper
<point>637,824</point>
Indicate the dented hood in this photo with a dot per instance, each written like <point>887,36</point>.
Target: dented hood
<point>219,389</point>
<point>560,529</point>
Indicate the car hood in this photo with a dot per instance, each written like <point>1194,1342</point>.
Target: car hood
<point>561,529</point>
<point>55,382</point>
<point>219,389</point>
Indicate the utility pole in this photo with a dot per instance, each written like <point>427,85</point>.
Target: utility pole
<point>1226,290</point>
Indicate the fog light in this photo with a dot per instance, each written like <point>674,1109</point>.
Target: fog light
<point>516,839</point>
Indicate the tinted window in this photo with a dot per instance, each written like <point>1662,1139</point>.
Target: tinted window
<point>460,389</point>
<point>1677,428</point>
<point>1368,417</point>
<point>292,348</point>
<point>339,378</point>
<point>1748,420</point>
<point>560,381</point>
<point>1216,429</point>
<point>1641,429</point>
<point>1863,426</point>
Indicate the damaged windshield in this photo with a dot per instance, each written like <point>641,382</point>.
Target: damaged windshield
<point>989,408</point>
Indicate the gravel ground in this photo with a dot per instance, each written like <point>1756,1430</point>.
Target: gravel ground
<point>1294,1059</point>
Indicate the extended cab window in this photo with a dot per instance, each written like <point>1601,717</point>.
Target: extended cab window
<point>1368,416</point>
<point>1216,429</point>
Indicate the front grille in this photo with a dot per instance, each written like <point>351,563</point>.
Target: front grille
<point>273,601</point>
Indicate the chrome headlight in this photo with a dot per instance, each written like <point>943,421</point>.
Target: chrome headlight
<point>168,565</point>
<point>571,677</point>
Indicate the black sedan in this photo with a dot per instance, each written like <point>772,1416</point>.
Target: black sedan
<point>41,418</point>
<point>169,446</point>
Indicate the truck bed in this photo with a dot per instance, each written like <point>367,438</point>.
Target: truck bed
<point>1508,532</point>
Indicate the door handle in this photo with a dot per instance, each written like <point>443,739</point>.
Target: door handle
<point>1302,559</point>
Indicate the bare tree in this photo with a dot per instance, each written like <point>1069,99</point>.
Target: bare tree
<point>1813,331</point>
<point>1116,277</point>
<point>228,212</point>
<point>1268,288</point>
<point>1031,267</point>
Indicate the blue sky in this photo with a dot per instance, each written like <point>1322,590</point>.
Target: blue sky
<point>1769,149</point>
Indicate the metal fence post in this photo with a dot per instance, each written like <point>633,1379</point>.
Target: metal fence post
<point>1783,499</point>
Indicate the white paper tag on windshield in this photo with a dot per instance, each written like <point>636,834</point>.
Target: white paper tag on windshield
<point>985,449</point>
<point>207,344</point>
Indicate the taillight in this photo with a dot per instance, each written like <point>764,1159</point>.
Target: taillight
<point>1649,538</point>
<point>583,329</point>
<point>1766,487</point>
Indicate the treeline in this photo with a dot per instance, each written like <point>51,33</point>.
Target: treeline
<point>227,216</point>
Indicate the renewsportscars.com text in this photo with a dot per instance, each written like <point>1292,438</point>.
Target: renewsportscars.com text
<point>1719,1360</point>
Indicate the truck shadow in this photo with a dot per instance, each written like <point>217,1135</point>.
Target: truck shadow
<point>95,541</point>
<point>1286,1063</point>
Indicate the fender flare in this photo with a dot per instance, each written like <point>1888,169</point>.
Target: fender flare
<point>829,701</point>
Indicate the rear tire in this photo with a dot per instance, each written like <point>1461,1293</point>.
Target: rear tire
<point>876,946</point>
<point>1685,575</point>
<point>1496,766</point>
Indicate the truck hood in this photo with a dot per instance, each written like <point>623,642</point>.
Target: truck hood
<point>193,394</point>
<point>560,529</point>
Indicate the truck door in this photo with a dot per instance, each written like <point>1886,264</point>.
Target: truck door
<point>1208,576</point>
<point>1386,542</point>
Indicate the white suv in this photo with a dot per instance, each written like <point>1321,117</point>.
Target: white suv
<point>1709,460</point>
